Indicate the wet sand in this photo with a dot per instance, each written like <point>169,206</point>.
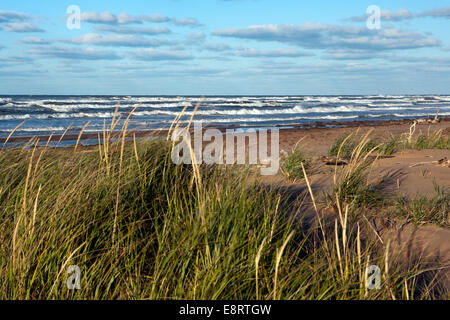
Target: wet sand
<point>288,133</point>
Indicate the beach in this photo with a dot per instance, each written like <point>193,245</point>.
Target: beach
<point>224,158</point>
<point>407,174</point>
<point>392,176</point>
<point>316,139</point>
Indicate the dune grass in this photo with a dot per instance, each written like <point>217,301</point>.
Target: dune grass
<point>351,185</point>
<point>140,227</point>
<point>292,164</point>
<point>423,210</point>
<point>346,144</point>
<point>429,140</point>
<point>434,140</point>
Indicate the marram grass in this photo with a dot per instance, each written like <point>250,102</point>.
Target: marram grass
<point>140,227</point>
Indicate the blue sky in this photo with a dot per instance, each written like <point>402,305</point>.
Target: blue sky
<point>218,47</point>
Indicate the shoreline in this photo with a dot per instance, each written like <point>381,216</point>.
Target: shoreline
<point>286,128</point>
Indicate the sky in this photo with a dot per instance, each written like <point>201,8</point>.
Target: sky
<point>224,47</point>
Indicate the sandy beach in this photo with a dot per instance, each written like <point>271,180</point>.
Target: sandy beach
<point>224,159</point>
<point>388,196</point>
<point>411,174</point>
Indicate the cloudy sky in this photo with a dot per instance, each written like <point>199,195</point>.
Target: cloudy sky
<point>229,47</point>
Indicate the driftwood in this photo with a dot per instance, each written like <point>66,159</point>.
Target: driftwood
<point>335,160</point>
<point>421,163</point>
<point>346,160</point>
<point>429,120</point>
<point>443,163</point>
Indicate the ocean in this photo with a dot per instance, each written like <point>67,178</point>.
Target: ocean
<point>44,115</point>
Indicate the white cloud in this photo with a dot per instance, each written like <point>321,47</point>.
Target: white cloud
<point>190,22</point>
<point>10,16</point>
<point>436,13</point>
<point>134,30</point>
<point>386,15</point>
<point>75,53</point>
<point>117,40</point>
<point>35,40</point>
<point>340,54</point>
<point>121,18</point>
<point>199,36</point>
<point>404,14</point>
<point>320,35</point>
<point>21,27</point>
<point>158,55</point>
<point>277,53</point>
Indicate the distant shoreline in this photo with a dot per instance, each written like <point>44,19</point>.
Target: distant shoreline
<point>163,132</point>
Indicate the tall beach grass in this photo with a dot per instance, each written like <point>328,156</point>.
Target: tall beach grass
<point>140,227</point>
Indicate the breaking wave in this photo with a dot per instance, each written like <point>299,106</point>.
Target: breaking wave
<point>52,114</point>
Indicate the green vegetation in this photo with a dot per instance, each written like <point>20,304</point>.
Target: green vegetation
<point>424,210</point>
<point>140,227</point>
<point>388,148</point>
<point>351,185</point>
<point>435,140</point>
<point>292,165</point>
<point>345,145</point>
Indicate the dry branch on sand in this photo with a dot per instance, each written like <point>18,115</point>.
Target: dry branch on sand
<point>429,120</point>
